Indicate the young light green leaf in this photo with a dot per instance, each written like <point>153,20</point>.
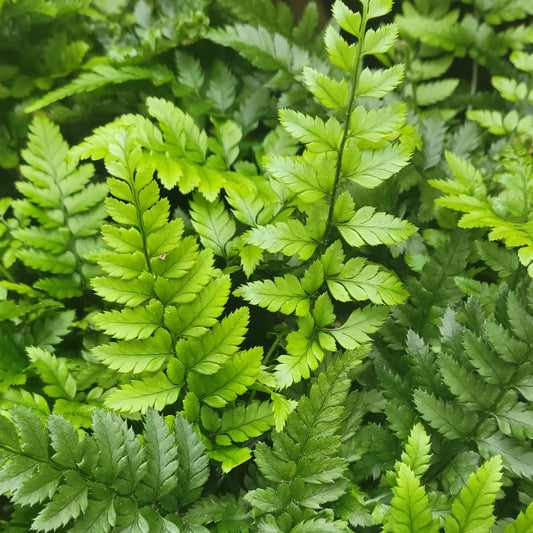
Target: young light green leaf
<point>54,372</point>
<point>346,18</point>
<point>378,8</point>
<point>374,228</point>
<point>128,324</point>
<point>375,166</point>
<point>147,355</point>
<point>195,318</point>
<point>380,40</point>
<point>378,83</point>
<point>209,352</point>
<point>361,281</point>
<point>284,294</point>
<point>417,451</point>
<point>232,380</point>
<point>472,510</point>
<point>523,522</point>
<point>289,238</point>
<point>340,53</point>
<point>359,325</point>
<point>213,224</point>
<point>331,93</point>
<point>244,422</point>
<point>410,511</point>
<point>153,391</point>
<point>319,136</point>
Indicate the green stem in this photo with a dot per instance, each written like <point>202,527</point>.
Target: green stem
<point>475,74</point>
<point>6,274</point>
<point>271,350</point>
<point>358,66</point>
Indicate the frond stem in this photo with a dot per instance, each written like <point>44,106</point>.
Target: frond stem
<point>358,66</point>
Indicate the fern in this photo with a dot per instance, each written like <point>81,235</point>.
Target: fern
<point>109,480</point>
<point>411,510</point>
<point>67,209</point>
<point>475,395</point>
<point>302,469</point>
<point>506,213</point>
<point>54,233</point>
<point>472,510</point>
<point>167,332</point>
<point>354,149</point>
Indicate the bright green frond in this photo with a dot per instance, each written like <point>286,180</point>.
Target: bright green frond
<point>410,511</point>
<point>472,510</point>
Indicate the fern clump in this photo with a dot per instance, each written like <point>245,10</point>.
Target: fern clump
<point>110,480</point>
<point>52,231</point>
<point>291,292</point>
<point>411,508</point>
<point>468,383</point>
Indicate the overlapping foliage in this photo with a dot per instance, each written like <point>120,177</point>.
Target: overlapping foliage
<point>291,291</point>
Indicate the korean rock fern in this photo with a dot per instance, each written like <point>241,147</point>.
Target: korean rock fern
<point>47,243</point>
<point>499,194</point>
<point>169,340</point>
<point>111,480</point>
<point>303,471</point>
<point>467,377</point>
<point>59,216</point>
<point>323,224</point>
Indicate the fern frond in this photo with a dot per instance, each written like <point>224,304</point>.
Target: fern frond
<point>410,511</point>
<point>367,226</point>
<point>472,510</point>
<point>170,334</point>
<point>94,479</point>
<point>66,207</point>
<point>319,184</point>
<point>302,466</point>
<point>101,76</point>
